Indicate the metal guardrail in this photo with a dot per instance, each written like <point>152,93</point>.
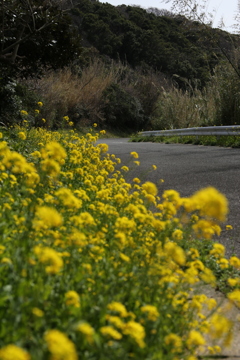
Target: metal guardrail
<point>210,130</point>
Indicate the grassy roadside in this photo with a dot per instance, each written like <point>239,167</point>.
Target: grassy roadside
<point>224,141</point>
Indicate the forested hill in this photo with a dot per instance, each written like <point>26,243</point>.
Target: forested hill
<point>171,44</point>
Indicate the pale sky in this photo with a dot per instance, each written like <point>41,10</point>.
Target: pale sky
<point>226,9</point>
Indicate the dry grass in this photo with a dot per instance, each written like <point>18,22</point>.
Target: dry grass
<point>217,104</point>
<point>79,97</point>
<point>182,109</point>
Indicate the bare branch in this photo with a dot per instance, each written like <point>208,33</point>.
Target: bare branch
<point>24,13</point>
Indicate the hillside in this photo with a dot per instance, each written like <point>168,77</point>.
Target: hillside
<point>122,67</point>
<point>171,44</point>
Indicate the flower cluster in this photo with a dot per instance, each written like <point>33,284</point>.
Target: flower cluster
<point>93,266</point>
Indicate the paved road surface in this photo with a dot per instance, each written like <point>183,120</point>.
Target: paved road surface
<point>188,168</point>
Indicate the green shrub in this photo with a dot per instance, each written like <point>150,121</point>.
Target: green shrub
<point>10,102</point>
<point>121,109</point>
<point>226,85</point>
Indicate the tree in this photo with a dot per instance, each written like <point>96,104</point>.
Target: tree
<point>34,35</point>
<point>31,27</point>
<point>193,10</point>
<point>159,12</point>
<point>198,11</point>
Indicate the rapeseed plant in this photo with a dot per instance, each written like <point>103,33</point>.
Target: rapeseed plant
<point>89,271</point>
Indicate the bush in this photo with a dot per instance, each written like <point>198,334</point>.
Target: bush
<point>182,109</point>
<point>76,94</point>
<point>225,85</point>
<point>121,109</point>
<point>10,102</point>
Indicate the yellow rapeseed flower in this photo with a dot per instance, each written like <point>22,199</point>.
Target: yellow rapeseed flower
<point>55,151</point>
<point>211,203</point>
<point>150,188</point>
<point>85,218</point>
<point>136,331</point>
<point>36,154</point>
<point>134,154</point>
<point>47,217</point>
<point>235,296</point>
<point>111,332</point>
<point>172,196</point>
<point>50,167</point>
<point>2,249</point>
<point>125,257</point>
<point>125,224</point>
<point>118,307</point>
<point>68,199</point>
<point>22,135</point>
<point>137,180</point>
<point>16,162</point>
<point>86,330</point>
<point>13,352</point>
<point>152,312</point>
<point>220,326</point>
<point>60,346</point>
<point>37,312</point>
<point>6,260</point>
<point>177,234</point>
<point>47,255</point>
<point>174,341</point>
<point>223,263</point>
<point>72,298</point>
<point>23,112</point>
<point>115,320</point>
<point>235,262</point>
<point>195,339</point>
<point>233,281</point>
<point>103,147</point>
<point>175,252</point>
<point>205,228</point>
<point>208,277</point>
<point>214,349</point>
<point>218,250</point>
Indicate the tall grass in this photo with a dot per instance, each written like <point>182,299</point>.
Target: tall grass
<point>138,98</point>
<point>81,95</point>
<point>78,96</point>
<point>225,87</point>
<point>217,104</point>
<point>181,109</point>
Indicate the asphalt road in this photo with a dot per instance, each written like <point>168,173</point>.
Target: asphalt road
<point>188,168</point>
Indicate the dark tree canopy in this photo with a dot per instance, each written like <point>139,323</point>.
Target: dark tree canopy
<point>158,39</point>
<point>35,33</point>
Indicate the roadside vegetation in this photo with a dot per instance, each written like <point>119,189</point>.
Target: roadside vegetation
<point>120,99</point>
<point>94,267</point>
<point>225,141</point>
<point>105,70</point>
